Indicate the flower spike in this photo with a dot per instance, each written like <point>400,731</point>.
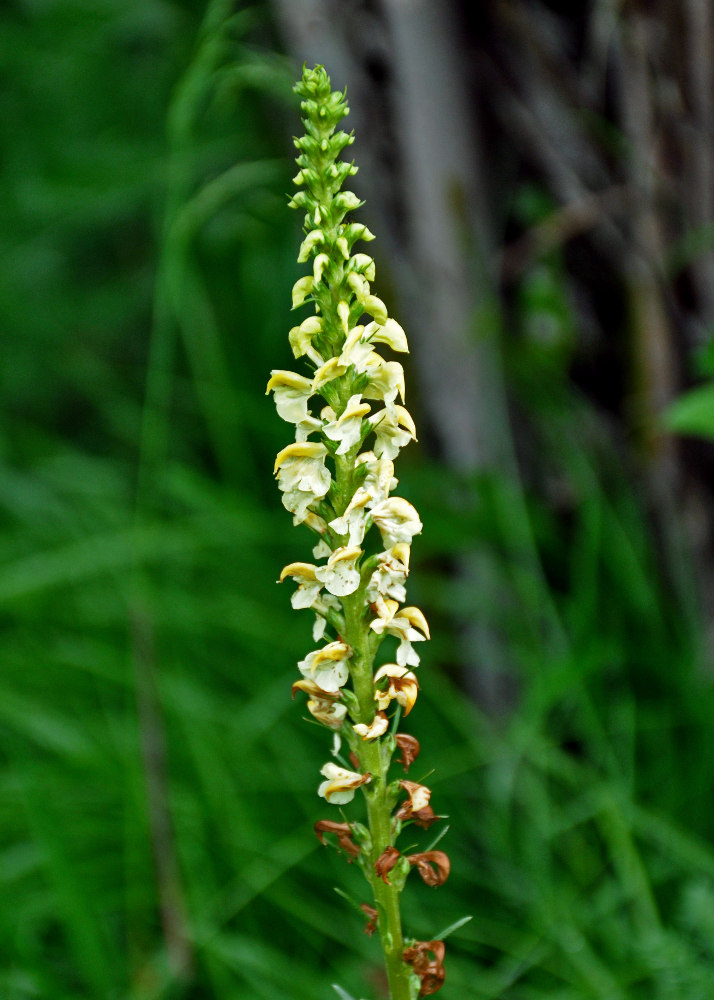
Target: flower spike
<point>347,408</point>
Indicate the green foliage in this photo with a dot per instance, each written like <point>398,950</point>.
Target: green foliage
<point>581,829</point>
<point>693,412</point>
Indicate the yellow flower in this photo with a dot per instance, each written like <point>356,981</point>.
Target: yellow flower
<point>402,687</point>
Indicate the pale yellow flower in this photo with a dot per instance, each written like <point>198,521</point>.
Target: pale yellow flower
<point>385,380</point>
<point>340,784</point>
<point>407,624</point>
<point>389,577</point>
<point>354,520</point>
<point>402,687</point>
<point>327,667</point>
<point>302,336</point>
<point>292,393</point>
<point>322,705</point>
<point>393,429</point>
<point>302,475</point>
<point>301,289</point>
<point>340,574</point>
<point>397,520</point>
<point>375,729</point>
<point>347,428</point>
<point>309,586</point>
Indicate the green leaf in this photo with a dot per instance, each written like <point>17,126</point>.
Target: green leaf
<point>437,838</point>
<point>353,902</point>
<point>342,994</point>
<point>693,412</point>
<point>451,928</point>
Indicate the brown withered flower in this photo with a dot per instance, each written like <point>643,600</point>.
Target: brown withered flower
<point>385,862</point>
<point>430,970</point>
<point>409,746</point>
<point>433,866</point>
<point>371,915</point>
<point>417,806</point>
<point>343,832</point>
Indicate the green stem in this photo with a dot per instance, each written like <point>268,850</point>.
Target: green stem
<point>386,896</point>
<point>375,760</point>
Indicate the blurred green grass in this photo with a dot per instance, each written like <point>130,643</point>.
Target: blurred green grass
<point>144,299</point>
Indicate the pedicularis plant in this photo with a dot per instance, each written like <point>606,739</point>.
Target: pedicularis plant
<point>336,478</point>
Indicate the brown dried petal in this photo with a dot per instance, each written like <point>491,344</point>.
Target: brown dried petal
<point>433,866</point>
<point>371,914</point>
<point>354,760</point>
<point>343,832</point>
<point>409,745</point>
<point>417,806</point>
<point>431,971</point>
<point>385,862</point>
<point>422,817</point>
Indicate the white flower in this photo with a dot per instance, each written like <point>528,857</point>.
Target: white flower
<point>397,520</point>
<point>309,586</point>
<point>321,550</point>
<point>327,666</point>
<point>340,574</point>
<point>302,475</point>
<point>322,606</point>
<point>379,480</point>
<point>393,430</point>
<point>347,428</point>
<point>357,349</point>
<point>390,575</point>
<point>354,520</point>
<point>340,785</point>
<point>318,628</point>
<point>408,625</point>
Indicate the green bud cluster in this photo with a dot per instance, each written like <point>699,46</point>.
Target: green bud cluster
<point>329,240</point>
